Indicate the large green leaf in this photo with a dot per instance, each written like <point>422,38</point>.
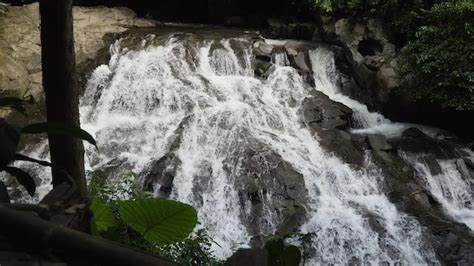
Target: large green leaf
<point>279,255</point>
<point>102,217</point>
<point>275,247</point>
<point>23,178</point>
<point>292,256</point>
<point>159,221</point>
<point>9,138</point>
<point>59,129</point>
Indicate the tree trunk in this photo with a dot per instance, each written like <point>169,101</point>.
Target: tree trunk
<point>29,231</point>
<point>62,97</point>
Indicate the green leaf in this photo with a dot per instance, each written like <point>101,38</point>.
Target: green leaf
<point>9,138</point>
<point>23,178</point>
<point>159,221</point>
<point>102,218</point>
<point>21,157</point>
<point>276,248</point>
<point>59,129</point>
<point>292,256</point>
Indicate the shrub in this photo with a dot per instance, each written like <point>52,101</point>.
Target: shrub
<point>438,65</point>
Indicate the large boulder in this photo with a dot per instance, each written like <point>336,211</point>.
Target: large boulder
<point>372,59</point>
<point>321,113</point>
<point>20,49</point>
<point>331,122</point>
<point>270,184</point>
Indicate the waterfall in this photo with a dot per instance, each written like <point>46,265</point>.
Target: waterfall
<point>453,186</point>
<point>199,100</point>
<point>135,104</point>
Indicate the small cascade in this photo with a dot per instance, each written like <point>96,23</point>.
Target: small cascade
<point>449,181</point>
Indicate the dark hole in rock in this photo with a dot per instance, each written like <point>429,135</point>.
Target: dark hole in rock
<point>369,47</point>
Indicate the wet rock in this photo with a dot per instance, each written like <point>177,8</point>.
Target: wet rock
<point>413,132</point>
<point>433,165</point>
<point>341,144</point>
<point>329,120</point>
<point>455,250</point>
<point>422,198</point>
<point>466,171</point>
<point>161,173</point>
<point>266,180</point>
<point>159,176</point>
<point>378,142</point>
<point>261,48</point>
<point>302,61</point>
<point>261,67</point>
<point>321,113</point>
<point>439,149</point>
<point>469,163</point>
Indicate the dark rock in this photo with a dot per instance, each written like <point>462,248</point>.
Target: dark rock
<point>262,49</point>
<point>163,171</point>
<point>340,143</point>
<point>369,47</point>
<point>329,119</point>
<point>413,132</point>
<point>378,142</point>
<point>422,199</point>
<point>433,165</point>
<point>439,149</point>
<point>248,257</point>
<point>466,172</point>
<point>262,67</point>
<point>267,180</point>
<point>321,113</point>
<point>302,61</point>
<point>469,163</point>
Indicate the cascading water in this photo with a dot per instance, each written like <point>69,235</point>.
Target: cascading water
<point>136,104</point>
<point>199,98</point>
<point>453,186</point>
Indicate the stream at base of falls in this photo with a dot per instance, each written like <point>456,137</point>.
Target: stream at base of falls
<point>189,114</point>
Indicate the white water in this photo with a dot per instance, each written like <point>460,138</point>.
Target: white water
<point>453,187</point>
<point>135,104</point>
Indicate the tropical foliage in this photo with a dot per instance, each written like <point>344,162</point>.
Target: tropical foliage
<point>10,138</point>
<point>124,213</point>
<point>438,65</point>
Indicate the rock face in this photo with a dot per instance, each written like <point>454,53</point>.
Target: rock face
<point>369,55</point>
<point>267,185</point>
<point>20,48</point>
<point>270,183</point>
